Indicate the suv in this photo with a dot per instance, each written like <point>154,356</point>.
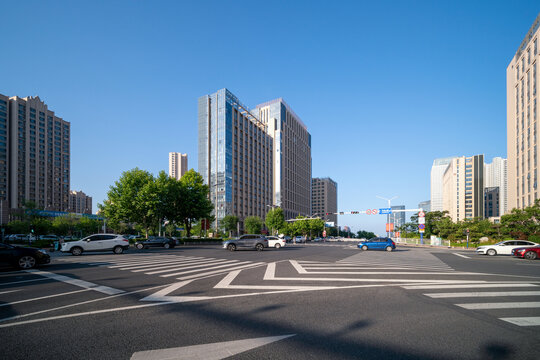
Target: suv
<point>250,241</point>
<point>377,243</point>
<point>97,242</point>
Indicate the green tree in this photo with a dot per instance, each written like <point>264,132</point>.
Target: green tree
<point>86,226</point>
<point>41,226</point>
<point>275,219</point>
<point>229,223</point>
<point>362,234</point>
<point>18,227</point>
<point>195,204</point>
<point>301,226</point>
<point>316,227</point>
<point>64,225</point>
<point>522,223</point>
<point>253,224</point>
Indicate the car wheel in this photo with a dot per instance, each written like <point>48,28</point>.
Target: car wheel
<point>231,247</point>
<point>139,246</point>
<point>166,245</point>
<point>259,247</point>
<point>118,250</point>
<point>530,255</point>
<point>26,262</point>
<point>76,251</point>
<point>277,246</point>
<point>364,247</point>
<point>491,252</point>
<point>389,248</point>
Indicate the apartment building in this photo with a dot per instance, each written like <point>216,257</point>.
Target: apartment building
<point>324,199</point>
<point>463,188</point>
<point>79,202</point>
<point>425,205</point>
<point>397,217</point>
<point>235,157</point>
<point>496,175</point>
<point>492,202</point>
<point>522,121</point>
<point>34,155</point>
<point>437,172</point>
<point>178,165</point>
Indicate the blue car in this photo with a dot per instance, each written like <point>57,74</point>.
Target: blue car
<point>377,243</point>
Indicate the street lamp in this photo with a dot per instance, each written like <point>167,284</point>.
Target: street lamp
<point>388,215</point>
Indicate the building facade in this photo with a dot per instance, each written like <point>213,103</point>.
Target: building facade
<point>291,157</point>
<point>235,157</point>
<point>397,218</point>
<point>437,172</point>
<point>496,175</point>
<point>463,188</point>
<point>492,202</point>
<point>425,205</point>
<point>34,155</point>
<point>79,202</point>
<point>178,165</point>
<point>324,199</point>
<point>522,121</point>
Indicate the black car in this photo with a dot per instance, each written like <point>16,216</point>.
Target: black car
<point>156,242</point>
<point>22,257</point>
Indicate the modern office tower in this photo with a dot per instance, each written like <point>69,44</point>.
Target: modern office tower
<point>425,205</point>
<point>463,188</point>
<point>291,157</point>
<point>324,198</point>
<point>235,157</point>
<point>522,121</point>
<point>495,175</point>
<point>38,155</point>
<point>397,218</point>
<point>178,165</point>
<point>4,153</point>
<point>79,202</point>
<point>491,202</point>
<point>437,173</point>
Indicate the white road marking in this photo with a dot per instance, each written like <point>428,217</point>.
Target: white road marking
<point>145,262</point>
<point>483,294</point>
<point>481,284</point>
<point>23,281</point>
<point>163,265</point>
<point>44,297</point>
<point>463,256</point>
<point>8,291</point>
<point>80,283</point>
<point>197,268</point>
<point>214,351</point>
<point>225,283</point>
<point>523,321</point>
<point>503,305</point>
<point>298,267</point>
<point>220,271</point>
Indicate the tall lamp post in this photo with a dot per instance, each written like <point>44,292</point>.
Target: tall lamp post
<point>387,215</point>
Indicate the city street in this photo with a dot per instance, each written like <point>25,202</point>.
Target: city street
<point>312,301</point>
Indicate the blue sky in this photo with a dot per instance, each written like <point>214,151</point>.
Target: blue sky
<point>384,87</point>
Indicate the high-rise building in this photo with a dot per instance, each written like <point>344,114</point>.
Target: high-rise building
<point>491,202</point>
<point>425,205</point>
<point>79,202</point>
<point>437,173</point>
<point>522,121</point>
<point>397,218</point>
<point>291,157</point>
<point>235,157</point>
<point>35,164</point>
<point>495,175</point>
<point>178,165</point>
<point>324,199</point>
<point>463,188</point>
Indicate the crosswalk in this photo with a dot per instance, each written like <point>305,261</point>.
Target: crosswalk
<point>413,260</point>
<point>499,303</point>
<point>171,266</point>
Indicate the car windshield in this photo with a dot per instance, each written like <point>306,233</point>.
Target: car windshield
<point>500,243</point>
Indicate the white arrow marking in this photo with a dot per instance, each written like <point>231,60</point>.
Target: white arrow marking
<point>214,351</point>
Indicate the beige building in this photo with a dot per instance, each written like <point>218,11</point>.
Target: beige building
<point>463,188</point>
<point>324,199</point>
<point>34,154</point>
<point>79,203</point>
<point>291,157</point>
<point>522,121</point>
<point>178,165</point>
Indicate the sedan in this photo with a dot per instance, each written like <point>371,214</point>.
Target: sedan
<point>275,242</point>
<point>156,242</point>
<point>503,247</point>
<point>377,243</point>
<point>22,257</point>
<point>529,253</point>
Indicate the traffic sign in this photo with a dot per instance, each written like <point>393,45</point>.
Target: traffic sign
<point>368,211</point>
<point>421,226</point>
<point>385,211</point>
<point>374,211</point>
<point>421,220</point>
<point>422,231</point>
<point>421,214</point>
<point>324,233</point>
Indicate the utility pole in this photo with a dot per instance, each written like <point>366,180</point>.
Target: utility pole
<point>387,215</point>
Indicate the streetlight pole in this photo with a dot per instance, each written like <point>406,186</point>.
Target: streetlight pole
<point>387,215</point>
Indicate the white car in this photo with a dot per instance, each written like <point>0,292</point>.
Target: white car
<point>503,247</point>
<point>275,242</point>
<point>97,242</point>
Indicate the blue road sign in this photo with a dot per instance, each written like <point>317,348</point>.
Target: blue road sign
<point>385,211</point>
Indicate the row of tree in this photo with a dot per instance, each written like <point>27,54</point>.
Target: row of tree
<point>62,225</point>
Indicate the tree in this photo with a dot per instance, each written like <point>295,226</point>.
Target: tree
<point>229,223</point>
<point>87,226</point>
<point>316,227</point>
<point>18,227</point>
<point>64,225</point>
<point>301,226</point>
<point>275,219</point>
<point>523,223</point>
<point>253,224</point>
<point>362,234</point>
<point>195,204</point>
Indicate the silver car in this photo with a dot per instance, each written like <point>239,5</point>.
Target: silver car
<point>248,241</point>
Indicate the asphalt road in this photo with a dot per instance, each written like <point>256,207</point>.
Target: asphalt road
<point>314,301</point>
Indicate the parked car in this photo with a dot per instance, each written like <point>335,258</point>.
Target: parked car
<point>275,242</point>
<point>49,237</point>
<point>377,243</point>
<point>97,242</point>
<point>529,253</point>
<point>503,247</point>
<point>22,257</point>
<point>17,238</point>
<point>299,239</point>
<point>156,242</point>
<point>248,241</point>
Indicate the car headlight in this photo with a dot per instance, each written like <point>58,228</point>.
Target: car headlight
<point>42,251</point>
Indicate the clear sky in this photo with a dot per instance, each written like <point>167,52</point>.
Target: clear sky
<point>384,87</point>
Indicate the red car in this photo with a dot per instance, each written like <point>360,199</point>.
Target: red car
<point>530,253</point>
